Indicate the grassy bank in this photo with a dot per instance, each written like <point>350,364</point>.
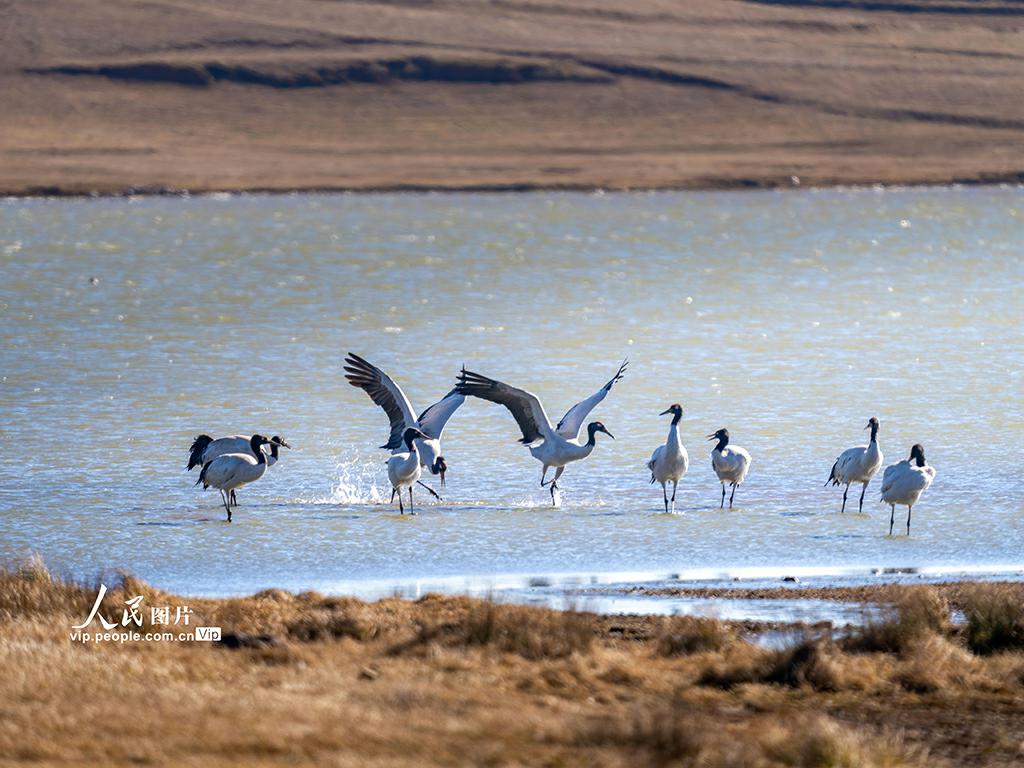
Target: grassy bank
<point>448,680</point>
<point>112,95</point>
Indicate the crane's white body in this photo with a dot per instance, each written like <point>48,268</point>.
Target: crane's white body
<point>903,483</point>
<point>557,451</point>
<point>404,469</point>
<point>858,465</point>
<point>669,463</point>
<point>233,470</point>
<point>731,464</point>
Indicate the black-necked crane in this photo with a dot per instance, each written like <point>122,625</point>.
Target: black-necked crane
<point>205,449</point>
<point>383,390</point>
<point>405,468</point>
<point>670,461</point>
<point>904,482</point>
<point>730,462</point>
<point>858,465</point>
<point>552,446</point>
<point>233,470</point>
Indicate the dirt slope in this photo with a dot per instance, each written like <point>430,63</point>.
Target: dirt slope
<point>106,95</point>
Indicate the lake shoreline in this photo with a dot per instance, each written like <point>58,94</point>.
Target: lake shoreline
<point>763,184</point>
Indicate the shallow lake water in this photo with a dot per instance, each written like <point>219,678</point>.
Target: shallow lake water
<point>131,325</point>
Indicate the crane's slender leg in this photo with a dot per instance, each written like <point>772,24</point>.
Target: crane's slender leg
<point>224,498</point>
<point>234,499</point>
<point>892,517</point>
<point>908,519</point>
<point>862,492</point>
<point>731,494</point>
<point>675,484</point>
<point>392,496</point>
<point>664,492</point>
<point>411,510</point>
<point>432,491</point>
<point>845,491</point>
<point>722,506</point>
<point>401,509</point>
<point>543,474</point>
<point>554,484</point>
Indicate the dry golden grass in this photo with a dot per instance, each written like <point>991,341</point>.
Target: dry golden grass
<point>304,679</point>
<point>918,613</point>
<point>995,619</point>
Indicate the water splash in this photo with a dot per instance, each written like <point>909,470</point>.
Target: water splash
<point>355,484</point>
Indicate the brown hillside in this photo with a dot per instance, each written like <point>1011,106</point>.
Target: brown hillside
<point>107,95</point>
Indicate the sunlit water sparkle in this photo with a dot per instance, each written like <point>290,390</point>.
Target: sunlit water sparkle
<point>789,318</point>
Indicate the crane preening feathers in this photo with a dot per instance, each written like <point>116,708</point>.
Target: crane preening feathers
<point>553,446</point>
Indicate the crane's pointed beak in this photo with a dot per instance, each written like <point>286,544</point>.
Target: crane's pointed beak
<point>442,477</point>
<point>868,426</point>
<point>608,433</point>
<point>666,412</point>
<point>712,437</point>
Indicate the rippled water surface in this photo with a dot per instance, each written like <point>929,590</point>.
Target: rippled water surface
<point>789,318</point>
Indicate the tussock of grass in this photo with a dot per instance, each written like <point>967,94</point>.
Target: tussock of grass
<point>29,589</point>
<point>819,741</point>
<point>679,735</point>
<point>814,663</point>
<point>936,664</point>
<point>683,635</point>
<point>919,613</point>
<point>528,632</point>
<point>995,619</point>
<point>326,624</point>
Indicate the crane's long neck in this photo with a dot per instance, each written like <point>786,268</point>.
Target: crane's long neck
<point>261,457</point>
<point>676,418</point>
<point>410,443</point>
<point>673,432</point>
<point>874,433</point>
<point>722,442</point>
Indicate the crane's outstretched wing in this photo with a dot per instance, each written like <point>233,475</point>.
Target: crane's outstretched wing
<point>385,393</point>
<point>524,406</point>
<point>569,426</point>
<point>433,419</point>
